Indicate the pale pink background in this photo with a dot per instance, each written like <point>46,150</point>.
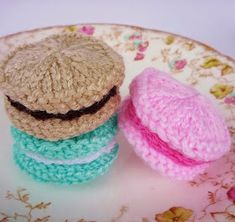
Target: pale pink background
<point>209,21</point>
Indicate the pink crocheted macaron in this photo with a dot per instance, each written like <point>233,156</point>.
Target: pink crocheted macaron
<point>174,128</point>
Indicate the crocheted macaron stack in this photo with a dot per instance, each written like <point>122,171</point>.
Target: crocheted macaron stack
<point>172,127</point>
<point>61,95</point>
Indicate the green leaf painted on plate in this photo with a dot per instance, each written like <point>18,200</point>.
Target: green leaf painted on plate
<point>223,216</point>
<point>226,69</point>
<point>179,214</point>
<point>210,62</point>
<point>219,91</point>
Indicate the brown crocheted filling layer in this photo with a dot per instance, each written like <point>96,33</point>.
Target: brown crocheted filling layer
<point>72,114</point>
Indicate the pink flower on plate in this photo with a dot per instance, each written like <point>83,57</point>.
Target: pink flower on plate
<point>87,30</point>
<point>231,194</point>
<point>230,99</point>
<point>180,64</point>
<point>143,46</point>
<point>135,36</point>
<point>139,56</point>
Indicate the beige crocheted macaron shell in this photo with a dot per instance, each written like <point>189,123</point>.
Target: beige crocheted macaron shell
<point>55,129</point>
<point>61,73</point>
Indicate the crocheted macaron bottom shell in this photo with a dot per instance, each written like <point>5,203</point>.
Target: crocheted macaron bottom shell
<point>156,160</point>
<point>76,147</point>
<point>64,174</point>
<point>55,129</point>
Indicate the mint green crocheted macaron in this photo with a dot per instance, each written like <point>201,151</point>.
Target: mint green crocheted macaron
<point>62,173</point>
<point>77,147</point>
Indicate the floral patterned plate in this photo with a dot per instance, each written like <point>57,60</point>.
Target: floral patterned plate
<point>131,191</point>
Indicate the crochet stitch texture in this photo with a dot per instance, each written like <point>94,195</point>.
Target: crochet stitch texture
<point>63,161</point>
<point>61,95</point>
<point>186,124</point>
<point>56,129</point>
<point>60,75</point>
<point>64,174</point>
<point>76,147</point>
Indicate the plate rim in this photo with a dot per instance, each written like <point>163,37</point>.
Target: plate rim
<point>205,45</point>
